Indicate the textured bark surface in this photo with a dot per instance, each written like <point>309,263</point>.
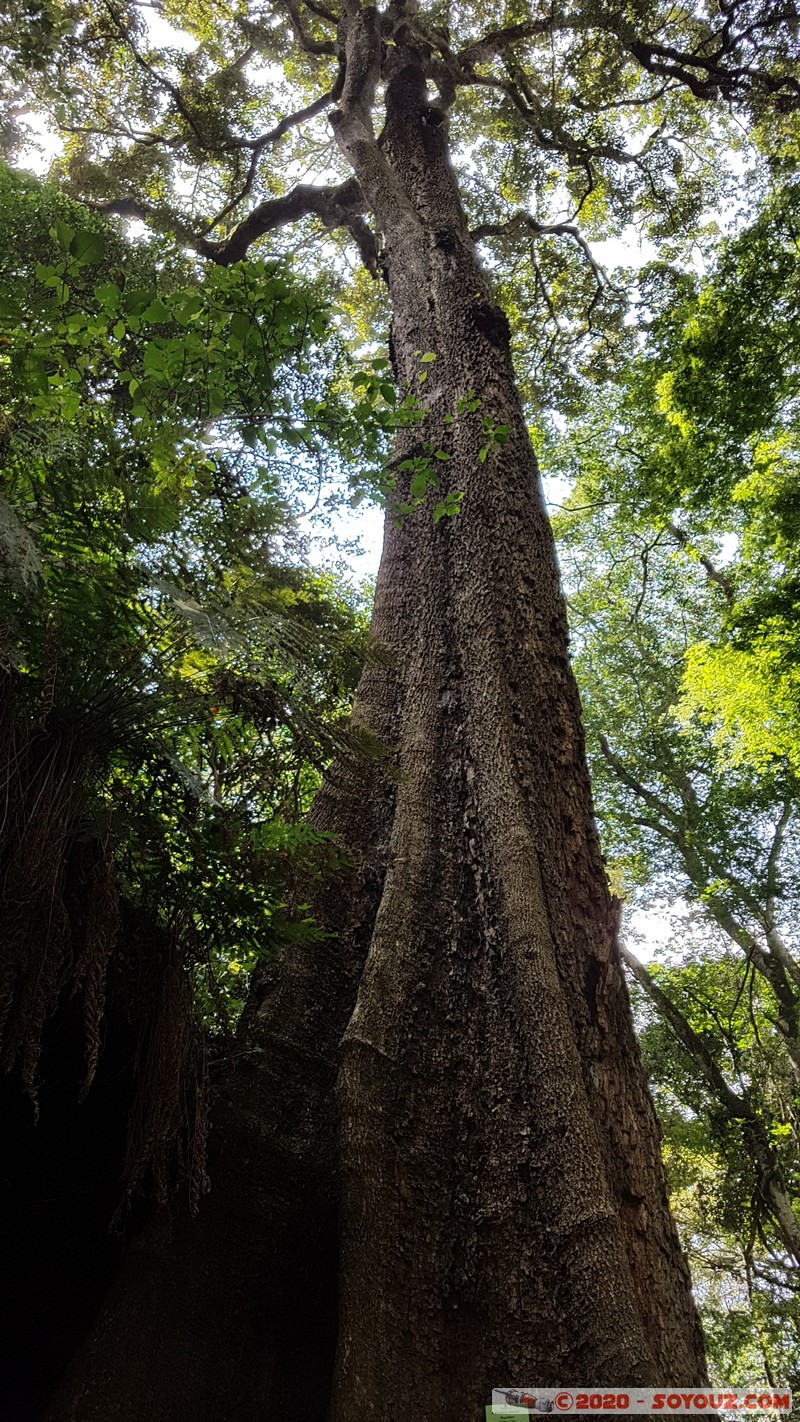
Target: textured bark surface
<point>449,1092</point>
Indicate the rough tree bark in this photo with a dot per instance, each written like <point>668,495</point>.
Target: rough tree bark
<point>447,1096</point>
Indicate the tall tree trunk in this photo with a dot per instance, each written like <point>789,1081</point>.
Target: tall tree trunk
<point>503,1204</point>
<point>454,1074</point>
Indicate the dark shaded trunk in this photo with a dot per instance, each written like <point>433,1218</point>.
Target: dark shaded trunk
<point>449,1090</point>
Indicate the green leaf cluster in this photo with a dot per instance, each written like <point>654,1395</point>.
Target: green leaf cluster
<point>155,606</point>
<point>679,546</point>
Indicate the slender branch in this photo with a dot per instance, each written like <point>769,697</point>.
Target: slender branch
<point>647,796</point>
<point>774,938</point>
<point>713,574</point>
<point>773,858</point>
<point>137,210</point>
<point>160,79</point>
<point>673,826</point>
<point>524,220</point>
<point>738,1107</point>
<point>266,139</point>
<point>306,43</point>
<point>300,116</point>
<point>551,135</point>
<point>540,229</point>
<point>322,11</point>
<point>777,1281</point>
<point>142,138</point>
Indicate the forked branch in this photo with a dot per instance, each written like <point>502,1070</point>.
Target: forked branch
<point>523,221</point>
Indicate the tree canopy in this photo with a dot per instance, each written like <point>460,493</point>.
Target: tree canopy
<point>678,543</point>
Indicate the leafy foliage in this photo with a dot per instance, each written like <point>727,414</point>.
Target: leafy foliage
<point>176,683</point>
<point>678,545</point>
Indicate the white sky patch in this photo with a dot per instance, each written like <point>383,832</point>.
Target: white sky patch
<point>363,526</point>
<point>42,147</point>
<point>645,931</point>
<point>663,933</point>
<point>629,249</point>
<point>728,548</point>
<point>163,35</point>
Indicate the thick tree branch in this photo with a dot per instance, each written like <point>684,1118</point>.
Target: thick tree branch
<point>496,42</point>
<point>360,37</point>
<point>340,206</point>
<point>361,40</point>
<point>714,79</point>
<point>700,869</point>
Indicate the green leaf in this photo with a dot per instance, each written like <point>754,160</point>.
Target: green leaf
<point>48,275</point>
<point>10,310</point>
<point>157,312</point>
<point>137,301</point>
<point>153,360</point>
<point>240,326</point>
<point>87,247</point>
<point>63,234</point>
<point>450,506</point>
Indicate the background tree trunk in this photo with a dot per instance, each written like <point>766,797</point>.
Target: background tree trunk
<point>454,1075</point>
